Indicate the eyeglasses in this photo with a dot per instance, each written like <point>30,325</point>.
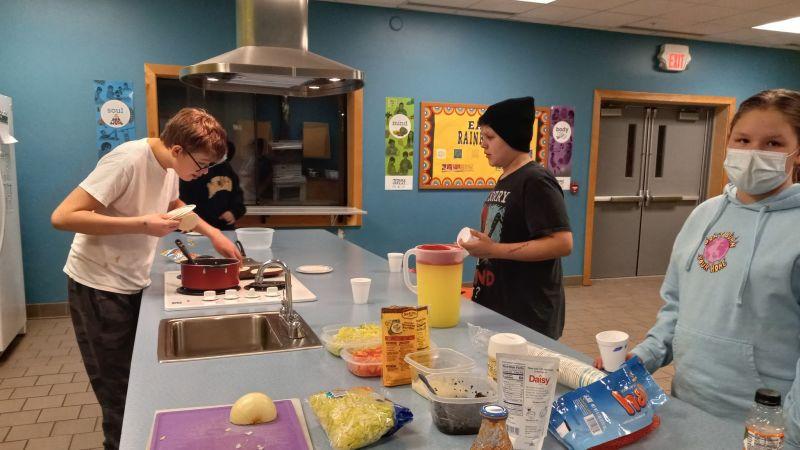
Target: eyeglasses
<point>208,166</point>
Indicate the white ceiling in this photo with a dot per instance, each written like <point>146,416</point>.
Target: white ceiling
<point>706,20</point>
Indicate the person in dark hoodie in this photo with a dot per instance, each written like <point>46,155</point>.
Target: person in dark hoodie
<point>731,295</point>
<point>217,194</point>
<point>524,226</point>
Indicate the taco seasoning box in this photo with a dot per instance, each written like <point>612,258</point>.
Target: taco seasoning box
<point>764,426</point>
<point>403,330</point>
<point>493,434</point>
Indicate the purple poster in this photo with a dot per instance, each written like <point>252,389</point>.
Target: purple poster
<point>562,119</point>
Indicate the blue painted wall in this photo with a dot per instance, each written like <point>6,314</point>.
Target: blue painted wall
<point>53,50</point>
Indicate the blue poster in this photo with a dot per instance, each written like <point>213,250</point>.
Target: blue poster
<point>115,118</point>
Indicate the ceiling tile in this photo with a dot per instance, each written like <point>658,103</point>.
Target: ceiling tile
<point>791,9</point>
<point>557,13</point>
<point>713,28</point>
<point>597,5</point>
<point>700,13</point>
<point>539,20</point>
<point>748,19</point>
<point>431,9</point>
<point>605,19</point>
<point>508,6</point>
<point>747,5</point>
<point>651,7</point>
<point>485,14</point>
<point>663,24</point>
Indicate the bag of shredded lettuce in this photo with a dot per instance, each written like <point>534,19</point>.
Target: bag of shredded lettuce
<point>357,417</point>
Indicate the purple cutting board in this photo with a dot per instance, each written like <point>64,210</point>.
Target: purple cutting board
<point>204,428</point>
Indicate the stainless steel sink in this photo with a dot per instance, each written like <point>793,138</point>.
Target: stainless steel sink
<point>192,338</point>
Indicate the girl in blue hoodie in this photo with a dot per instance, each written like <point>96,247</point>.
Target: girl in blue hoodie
<point>731,319</point>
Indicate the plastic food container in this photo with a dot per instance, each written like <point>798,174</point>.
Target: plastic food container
<point>255,238</point>
<point>365,362</point>
<point>353,336</point>
<point>435,361</point>
<point>456,407</point>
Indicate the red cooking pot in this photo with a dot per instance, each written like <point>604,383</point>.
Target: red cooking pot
<point>207,274</point>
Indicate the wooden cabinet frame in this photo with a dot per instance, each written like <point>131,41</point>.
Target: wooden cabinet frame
<point>355,156</point>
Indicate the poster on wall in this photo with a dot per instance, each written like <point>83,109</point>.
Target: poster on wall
<point>560,152</point>
<point>115,119</point>
<point>399,137</point>
<point>451,156</point>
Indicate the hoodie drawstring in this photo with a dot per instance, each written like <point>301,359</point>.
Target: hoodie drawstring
<point>713,221</point>
<point>756,237</point>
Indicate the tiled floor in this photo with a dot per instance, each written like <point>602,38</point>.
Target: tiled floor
<point>625,304</point>
<point>46,401</point>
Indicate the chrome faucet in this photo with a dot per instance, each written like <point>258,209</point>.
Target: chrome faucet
<point>287,314</point>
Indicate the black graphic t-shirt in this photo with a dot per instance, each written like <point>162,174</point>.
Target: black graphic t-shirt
<point>526,205</point>
<point>214,193</point>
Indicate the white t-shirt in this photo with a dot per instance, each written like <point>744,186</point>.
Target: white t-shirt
<point>129,182</point>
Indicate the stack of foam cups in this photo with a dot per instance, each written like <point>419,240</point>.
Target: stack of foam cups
<point>571,372</point>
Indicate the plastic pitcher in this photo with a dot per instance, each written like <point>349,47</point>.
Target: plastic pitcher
<point>439,268</point>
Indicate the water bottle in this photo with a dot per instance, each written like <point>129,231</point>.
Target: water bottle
<point>764,426</point>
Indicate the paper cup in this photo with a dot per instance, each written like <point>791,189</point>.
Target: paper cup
<point>395,261</point>
<point>360,290</point>
<point>613,348</point>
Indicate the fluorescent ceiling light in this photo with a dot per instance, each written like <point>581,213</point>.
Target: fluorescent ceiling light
<point>785,26</point>
<point>544,2</point>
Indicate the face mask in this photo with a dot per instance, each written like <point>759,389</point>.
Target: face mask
<point>756,171</point>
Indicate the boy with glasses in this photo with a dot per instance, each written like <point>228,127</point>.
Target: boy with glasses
<point>118,214</point>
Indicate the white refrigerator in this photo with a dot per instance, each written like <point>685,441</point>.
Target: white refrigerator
<point>12,285</point>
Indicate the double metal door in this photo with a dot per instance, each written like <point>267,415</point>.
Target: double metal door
<point>651,172</point>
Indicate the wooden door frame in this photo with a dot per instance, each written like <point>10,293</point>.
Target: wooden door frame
<point>724,109</point>
<point>355,153</point>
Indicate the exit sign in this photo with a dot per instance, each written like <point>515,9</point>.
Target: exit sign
<point>673,57</point>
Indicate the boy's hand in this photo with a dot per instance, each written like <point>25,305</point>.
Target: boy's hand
<point>159,225</point>
<point>228,217</point>
<point>480,246</point>
<point>224,246</point>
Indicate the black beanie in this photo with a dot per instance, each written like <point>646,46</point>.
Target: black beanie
<point>512,120</point>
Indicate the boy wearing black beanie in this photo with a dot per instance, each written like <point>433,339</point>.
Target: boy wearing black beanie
<point>524,226</point>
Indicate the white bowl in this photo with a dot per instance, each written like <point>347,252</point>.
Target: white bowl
<point>255,237</point>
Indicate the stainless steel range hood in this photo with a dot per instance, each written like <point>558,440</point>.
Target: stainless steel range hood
<point>272,56</point>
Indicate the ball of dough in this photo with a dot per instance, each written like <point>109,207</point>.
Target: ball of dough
<point>253,408</point>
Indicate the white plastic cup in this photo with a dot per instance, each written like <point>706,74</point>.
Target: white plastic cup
<point>504,343</point>
<point>395,261</point>
<point>613,348</point>
<point>360,290</point>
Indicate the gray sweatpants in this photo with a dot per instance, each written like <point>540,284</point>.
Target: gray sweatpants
<point>105,327</point>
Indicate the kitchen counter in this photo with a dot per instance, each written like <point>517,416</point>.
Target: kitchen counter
<point>154,386</point>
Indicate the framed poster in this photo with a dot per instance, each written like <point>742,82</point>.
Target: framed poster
<point>451,156</point>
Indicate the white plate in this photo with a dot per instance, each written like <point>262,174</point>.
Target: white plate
<point>193,233</point>
<point>177,213</point>
<point>313,269</point>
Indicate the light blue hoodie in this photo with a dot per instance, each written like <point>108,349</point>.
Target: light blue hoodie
<point>731,319</point>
